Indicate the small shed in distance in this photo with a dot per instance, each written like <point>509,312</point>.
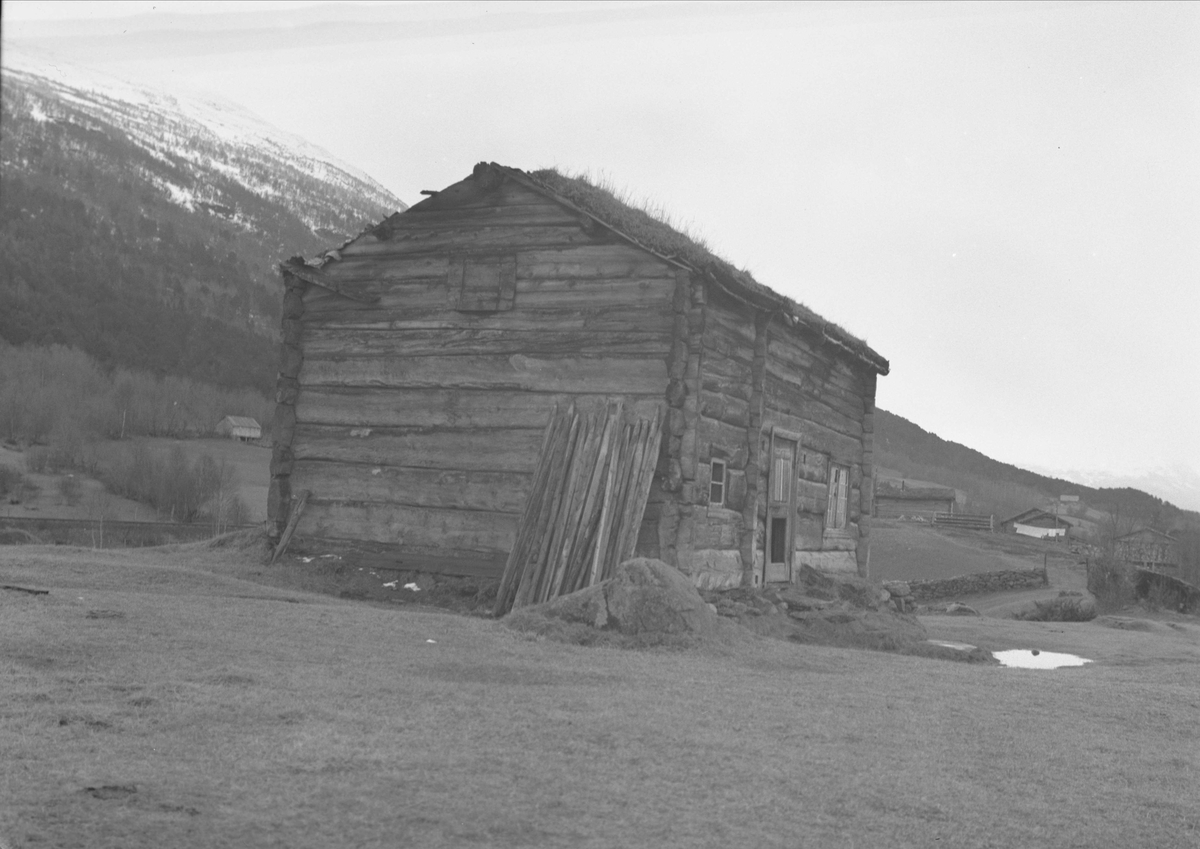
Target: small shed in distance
<point>897,499</point>
<point>241,428</point>
<point>1038,523</point>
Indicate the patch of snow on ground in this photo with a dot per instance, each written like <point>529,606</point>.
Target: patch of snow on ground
<point>179,195</point>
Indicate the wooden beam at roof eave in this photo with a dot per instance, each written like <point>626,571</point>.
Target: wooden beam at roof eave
<point>319,278</point>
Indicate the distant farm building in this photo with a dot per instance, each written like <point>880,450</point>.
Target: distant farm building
<point>898,499</point>
<point>1149,549</point>
<point>1039,524</point>
<point>423,360</point>
<point>240,428</point>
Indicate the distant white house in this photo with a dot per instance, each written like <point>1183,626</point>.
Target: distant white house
<point>239,427</point>
<point>1040,524</point>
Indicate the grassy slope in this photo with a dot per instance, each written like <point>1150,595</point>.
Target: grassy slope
<point>48,502</point>
<point>251,463</point>
<point>906,551</point>
<point>240,719</point>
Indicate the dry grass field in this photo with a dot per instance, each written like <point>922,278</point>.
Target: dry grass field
<point>910,551</point>
<point>191,697</point>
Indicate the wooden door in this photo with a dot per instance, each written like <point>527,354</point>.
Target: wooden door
<point>781,508</point>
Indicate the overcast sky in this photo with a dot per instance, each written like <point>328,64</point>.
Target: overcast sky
<point>1002,199</point>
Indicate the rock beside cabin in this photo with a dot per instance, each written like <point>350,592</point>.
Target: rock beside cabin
<point>645,599</point>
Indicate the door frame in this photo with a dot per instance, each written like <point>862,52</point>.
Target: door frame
<point>786,510</point>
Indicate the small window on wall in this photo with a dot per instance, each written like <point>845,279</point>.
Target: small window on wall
<point>482,284</point>
<point>839,497</point>
<point>716,484</point>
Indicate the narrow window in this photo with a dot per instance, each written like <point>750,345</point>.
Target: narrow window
<point>716,485</point>
<point>839,496</point>
<point>778,540</point>
<point>781,490</point>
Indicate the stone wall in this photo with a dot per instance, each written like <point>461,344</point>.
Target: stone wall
<point>985,582</point>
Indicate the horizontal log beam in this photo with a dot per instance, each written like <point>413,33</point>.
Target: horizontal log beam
<point>542,214</point>
<point>497,492</point>
<point>422,342</point>
<point>434,293</point>
<point>410,526</point>
<point>475,449</point>
<point>607,375</point>
<point>468,239</point>
<point>353,407</point>
<point>616,318</point>
<point>808,405</point>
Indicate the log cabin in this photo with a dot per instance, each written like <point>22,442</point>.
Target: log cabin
<point>422,360</point>
<point>242,428</point>
<point>900,500</point>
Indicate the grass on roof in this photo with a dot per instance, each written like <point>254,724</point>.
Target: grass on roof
<point>650,227</point>
<point>653,229</point>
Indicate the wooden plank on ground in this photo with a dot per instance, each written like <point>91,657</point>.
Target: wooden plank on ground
<point>293,520</point>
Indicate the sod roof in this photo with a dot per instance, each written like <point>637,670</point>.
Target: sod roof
<point>654,234</point>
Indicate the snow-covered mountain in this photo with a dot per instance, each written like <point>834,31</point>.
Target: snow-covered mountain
<point>133,219</point>
<point>206,147</point>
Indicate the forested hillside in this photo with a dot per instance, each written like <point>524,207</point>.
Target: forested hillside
<point>1001,488</point>
<point>146,234</point>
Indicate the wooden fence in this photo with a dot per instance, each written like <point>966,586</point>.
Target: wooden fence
<point>103,533</point>
<point>966,521</point>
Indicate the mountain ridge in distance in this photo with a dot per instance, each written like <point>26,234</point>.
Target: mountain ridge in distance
<point>144,228</point>
<point>1004,489</point>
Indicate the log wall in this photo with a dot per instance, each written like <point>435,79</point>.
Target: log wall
<point>759,372</point>
<point>415,404</point>
<point>417,378</point>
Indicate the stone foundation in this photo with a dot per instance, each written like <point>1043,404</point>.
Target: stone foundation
<point>712,569</point>
<point>719,569</point>
<point>830,562</point>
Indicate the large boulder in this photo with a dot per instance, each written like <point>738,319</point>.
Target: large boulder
<point>645,599</point>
